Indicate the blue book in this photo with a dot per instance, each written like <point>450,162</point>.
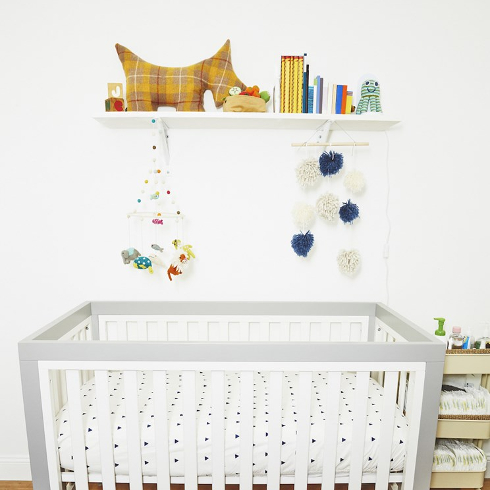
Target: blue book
<point>318,95</point>
<point>338,100</point>
<point>310,99</point>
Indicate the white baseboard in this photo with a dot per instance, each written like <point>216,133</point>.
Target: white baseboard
<point>15,468</point>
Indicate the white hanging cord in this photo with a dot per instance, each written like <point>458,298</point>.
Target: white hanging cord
<point>387,241</point>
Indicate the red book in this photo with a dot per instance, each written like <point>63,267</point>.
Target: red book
<point>344,98</point>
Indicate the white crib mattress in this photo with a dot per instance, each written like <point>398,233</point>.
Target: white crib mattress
<point>232,425</point>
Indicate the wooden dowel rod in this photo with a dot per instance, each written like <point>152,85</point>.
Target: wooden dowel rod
<point>348,143</point>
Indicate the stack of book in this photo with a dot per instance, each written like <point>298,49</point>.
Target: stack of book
<point>341,99</point>
<point>301,94</point>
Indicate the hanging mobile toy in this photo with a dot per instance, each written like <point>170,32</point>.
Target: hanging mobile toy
<point>331,163</point>
<point>143,263</point>
<point>129,254</point>
<point>156,247</point>
<point>354,181</point>
<point>302,243</point>
<point>307,172</point>
<point>327,206</point>
<point>349,261</point>
<point>348,212</point>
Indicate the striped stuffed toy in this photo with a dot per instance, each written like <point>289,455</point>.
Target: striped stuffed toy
<point>369,100</point>
<point>150,86</point>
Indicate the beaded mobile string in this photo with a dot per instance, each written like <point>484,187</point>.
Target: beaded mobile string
<point>156,222</point>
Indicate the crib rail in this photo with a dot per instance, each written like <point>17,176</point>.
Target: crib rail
<point>233,329</point>
<point>218,479</point>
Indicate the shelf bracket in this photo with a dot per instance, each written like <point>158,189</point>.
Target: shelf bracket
<point>163,132</point>
<point>323,133</point>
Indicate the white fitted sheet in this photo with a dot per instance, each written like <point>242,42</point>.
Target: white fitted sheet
<point>232,425</point>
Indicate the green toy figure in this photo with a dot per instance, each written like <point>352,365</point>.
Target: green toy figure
<point>369,100</point>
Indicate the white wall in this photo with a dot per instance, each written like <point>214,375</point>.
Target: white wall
<point>67,182</point>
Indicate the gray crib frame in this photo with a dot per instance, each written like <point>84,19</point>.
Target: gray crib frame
<point>43,345</point>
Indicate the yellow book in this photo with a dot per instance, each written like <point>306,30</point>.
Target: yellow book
<point>287,88</point>
<point>334,98</point>
<point>283,84</point>
<point>348,103</point>
<point>294,106</point>
<point>300,83</point>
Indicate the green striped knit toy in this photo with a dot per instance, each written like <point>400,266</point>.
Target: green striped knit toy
<point>369,100</point>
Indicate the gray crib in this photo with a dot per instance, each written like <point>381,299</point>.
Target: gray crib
<point>231,392</point>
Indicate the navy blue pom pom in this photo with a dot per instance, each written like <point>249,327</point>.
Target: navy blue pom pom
<point>349,212</point>
<point>302,243</point>
<point>331,163</point>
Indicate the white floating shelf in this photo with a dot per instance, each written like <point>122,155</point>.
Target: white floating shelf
<point>246,120</point>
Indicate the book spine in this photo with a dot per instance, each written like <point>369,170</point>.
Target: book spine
<point>348,104</point>
<point>287,90</point>
<point>300,83</point>
<point>283,85</point>
<point>306,89</point>
<point>318,95</point>
<point>320,105</point>
<point>310,99</point>
<point>338,100</point>
<point>344,99</point>
<point>315,94</point>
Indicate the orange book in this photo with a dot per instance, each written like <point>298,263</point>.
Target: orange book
<point>344,98</point>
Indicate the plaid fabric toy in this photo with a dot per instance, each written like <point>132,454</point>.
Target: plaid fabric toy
<point>149,86</point>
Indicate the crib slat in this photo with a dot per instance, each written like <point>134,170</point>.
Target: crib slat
<point>303,427</point>
<point>133,430</point>
<point>414,409</point>
<point>50,434</point>
<point>244,331</point>
<point>142,330</point>
<point>325,332</point>
<point>122,330</point>
<point>305,332</point>
<point>275,431</point>
<point>105,428</point>
<point>345,332</point>
<point>386,431</point>
<point>246,429</point>
<point>218,429</point>
<point>402,389</point>
<point>76,426</point>
<point>161,429</point>
<point>359,430</point>
<point>190,431</point>
<point>331,430</point>
<point>223,331</point>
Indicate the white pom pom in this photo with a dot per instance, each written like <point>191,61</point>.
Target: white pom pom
<point>327,206</point>
<point>307,172</point>
<point>303,215</point>
<point>354,181</point>
<point>349,261</point>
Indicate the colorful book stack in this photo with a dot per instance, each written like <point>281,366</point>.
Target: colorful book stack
<point>341,99</point>
<point>297,96</point>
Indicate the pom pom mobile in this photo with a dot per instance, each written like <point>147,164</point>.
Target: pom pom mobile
<point>155,225</point>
